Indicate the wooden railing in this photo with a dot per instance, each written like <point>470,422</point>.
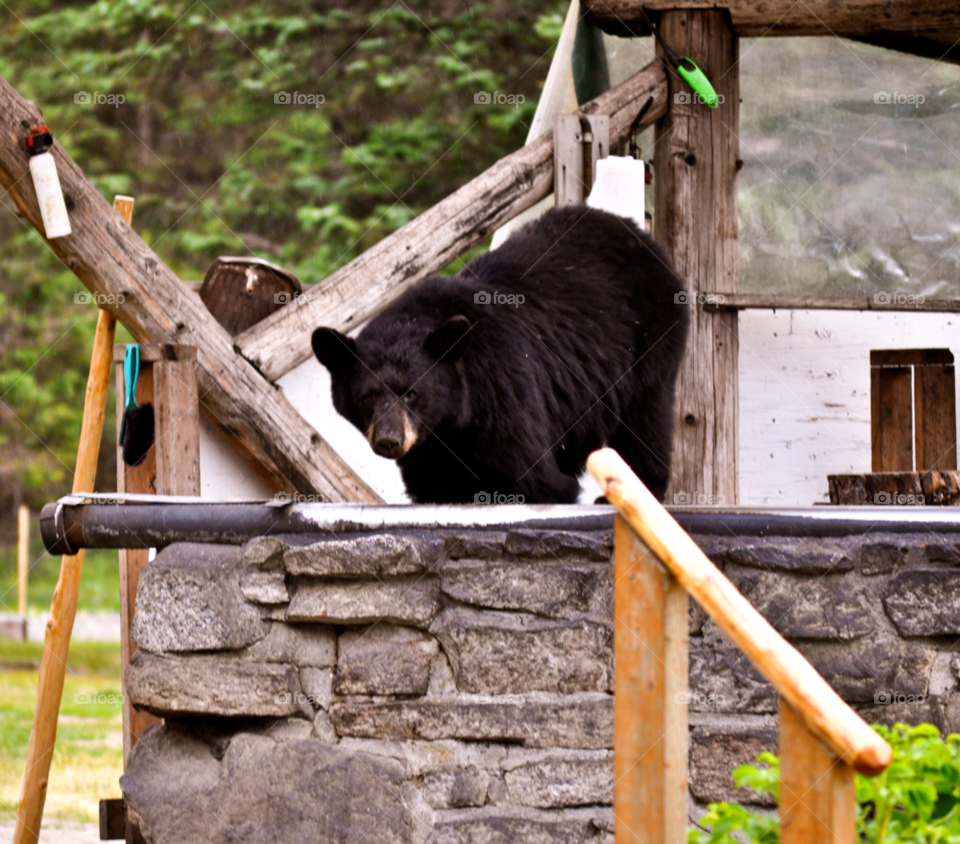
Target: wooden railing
<point>822,740</point>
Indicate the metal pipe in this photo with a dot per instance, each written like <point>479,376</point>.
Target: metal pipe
<point>156,521</point>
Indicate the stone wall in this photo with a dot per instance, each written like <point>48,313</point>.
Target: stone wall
<point>455,685</point>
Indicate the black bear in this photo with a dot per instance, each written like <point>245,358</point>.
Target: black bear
<point>498,382</point>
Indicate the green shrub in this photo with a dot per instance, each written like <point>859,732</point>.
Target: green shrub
<point>917,799</point>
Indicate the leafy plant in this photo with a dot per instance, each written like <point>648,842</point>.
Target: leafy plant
<point>916,799</point>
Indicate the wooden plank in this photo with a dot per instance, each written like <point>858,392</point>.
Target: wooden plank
<point>138,479</point>
<point>779,301</point>
<point>568,176</point>
<point>113,819</point>
<point>910,357</point>
<point>177,412</point>
<point>817,793</point>
<point>599,147</point>
<point>23,558</point>
<point>110,259</point>
<point>696,165</point>
<point>931,487</point>
<point>935,410</point>
<point>152,352</point>
<point>650,708</point>
<point>819,706</point>
<point>354,293</point>
<point>852,18</point>
<point>63,607</point>
<point>892,446</point>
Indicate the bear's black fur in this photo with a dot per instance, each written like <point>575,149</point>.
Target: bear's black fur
<point>472,397</point>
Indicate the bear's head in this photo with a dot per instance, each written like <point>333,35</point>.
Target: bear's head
<point>398,382</point>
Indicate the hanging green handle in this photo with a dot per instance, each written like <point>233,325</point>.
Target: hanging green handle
<point>131,371</point>
<point>698,81</point>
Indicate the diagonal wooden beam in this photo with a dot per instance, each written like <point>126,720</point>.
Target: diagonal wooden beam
<point>848,19</point>
<point>354,293</point>
<point>143,293</point>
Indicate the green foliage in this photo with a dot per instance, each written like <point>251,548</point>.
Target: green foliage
<point>916,799</point>
<point>219,164</point>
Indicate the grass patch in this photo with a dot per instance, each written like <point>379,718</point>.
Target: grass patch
<point>88,759</point>
<point>99,583</point>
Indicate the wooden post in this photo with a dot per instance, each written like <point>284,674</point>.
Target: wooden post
<point>578,143</point>
<point>168,381</point>
<point>649,702</point>
<point>23,563</point>
<point>696,165</point>
<point>63,608</point>
<point>817,795</point>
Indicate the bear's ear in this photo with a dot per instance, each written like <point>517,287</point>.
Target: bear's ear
<point>334,350</point>
<point>449,339</point>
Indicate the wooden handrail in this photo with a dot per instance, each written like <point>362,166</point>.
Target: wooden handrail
<point>820,708</point>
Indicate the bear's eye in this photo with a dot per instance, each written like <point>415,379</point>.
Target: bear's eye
<point>370,396</point>
<point>410,396</point>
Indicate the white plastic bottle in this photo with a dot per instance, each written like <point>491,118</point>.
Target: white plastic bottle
<point>46,182</point>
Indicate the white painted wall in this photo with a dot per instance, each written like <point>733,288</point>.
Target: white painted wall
<point>804,407</point>
<point>805,394</point>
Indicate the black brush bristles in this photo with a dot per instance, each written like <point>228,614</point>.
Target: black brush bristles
<point>137,437</point>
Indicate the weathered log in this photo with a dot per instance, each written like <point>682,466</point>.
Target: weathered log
<point>851,19</point>
<point>143,293</point>
<point>425,245</point>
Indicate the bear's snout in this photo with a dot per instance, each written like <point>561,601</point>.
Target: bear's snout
<point>393,434</point>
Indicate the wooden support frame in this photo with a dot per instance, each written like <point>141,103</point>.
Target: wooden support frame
<point>578,144</point>
<point>649,702</point>
<point>356,292</point>
<point>168,381</point>
<point>696,167</point>
<point>818,799</point>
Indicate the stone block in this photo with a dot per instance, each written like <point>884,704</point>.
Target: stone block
<point>942,551</point>
<point>312,645</point>
<point>316,684</point>
<point>547,544</point>
<point>580,721</point>
<point>384,660</point>
<point>722,678</point>
<point>557,779</point>
<point>880,557</point>
<point>923,602</point>
<point>791,554</point>
<point>715,753</point>
<point>189,599</point>
<point>456,788</point>
<point>830,607</point>
<point>858,670</point>
<point>217,684</point>
<point>409,600</point>
<point>551,589</point>
<point>264,791</point>
<point>264,587</point>
<point>475,544</point>
<point>516,825</point>
<point>364,555</point>
<point>510,653</point>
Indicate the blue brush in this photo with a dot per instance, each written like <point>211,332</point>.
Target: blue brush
<point>136,429</point>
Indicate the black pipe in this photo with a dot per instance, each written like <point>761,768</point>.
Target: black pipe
<point>66,526</point>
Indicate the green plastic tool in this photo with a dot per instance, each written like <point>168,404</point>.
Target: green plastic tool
<point>687,68</point>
